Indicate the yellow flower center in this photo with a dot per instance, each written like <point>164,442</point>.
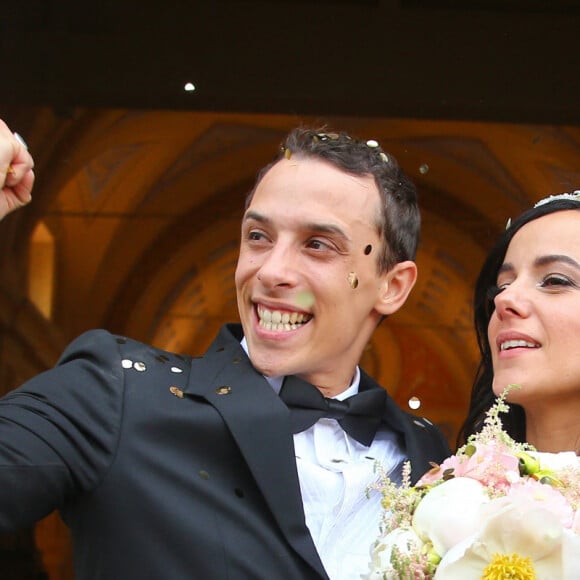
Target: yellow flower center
<point>509,567</point>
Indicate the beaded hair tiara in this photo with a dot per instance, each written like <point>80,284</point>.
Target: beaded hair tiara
<point>574,196</point>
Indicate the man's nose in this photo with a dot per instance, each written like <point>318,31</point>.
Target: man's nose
<point>280,267</point>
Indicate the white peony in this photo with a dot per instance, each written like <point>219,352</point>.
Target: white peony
<point>449,513</point>
<point>518,538</point>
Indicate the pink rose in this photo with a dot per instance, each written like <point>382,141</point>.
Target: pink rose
<point>492,464</point>
<point>545,496</point>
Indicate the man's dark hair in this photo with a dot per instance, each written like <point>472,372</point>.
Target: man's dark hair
<point>399,221</point>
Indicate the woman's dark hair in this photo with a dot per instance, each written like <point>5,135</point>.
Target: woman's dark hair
<point>399,222</point>
<point>482,396</point>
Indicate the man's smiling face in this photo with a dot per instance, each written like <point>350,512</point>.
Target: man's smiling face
<point>303,244</point>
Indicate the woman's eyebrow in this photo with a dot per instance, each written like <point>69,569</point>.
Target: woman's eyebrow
<point>505,267</point>
<point>552,258</point>
<point>542,261</point>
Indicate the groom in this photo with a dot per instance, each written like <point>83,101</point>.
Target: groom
<point>254,460</point>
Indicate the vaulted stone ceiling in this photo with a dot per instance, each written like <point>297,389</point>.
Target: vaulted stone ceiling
<point>144,207</point>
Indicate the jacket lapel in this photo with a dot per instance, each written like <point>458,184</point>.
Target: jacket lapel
<point>260,424</point>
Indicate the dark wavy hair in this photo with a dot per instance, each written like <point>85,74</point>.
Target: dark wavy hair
<point>399,223</point>
<point>482,396</point>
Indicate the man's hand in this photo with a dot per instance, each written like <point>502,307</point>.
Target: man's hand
<point>16,175</point>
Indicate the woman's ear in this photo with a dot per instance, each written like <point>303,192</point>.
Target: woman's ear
<point>396,285</point>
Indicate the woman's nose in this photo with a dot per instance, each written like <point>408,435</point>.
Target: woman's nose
<point>512,300</point>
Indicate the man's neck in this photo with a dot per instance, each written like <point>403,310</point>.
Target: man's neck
<point>352,389</point>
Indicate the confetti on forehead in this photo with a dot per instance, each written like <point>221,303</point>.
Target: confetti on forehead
<point>305,299</point>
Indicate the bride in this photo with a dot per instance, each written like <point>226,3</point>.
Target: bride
<point>527,317</point>
<point>507,505</point>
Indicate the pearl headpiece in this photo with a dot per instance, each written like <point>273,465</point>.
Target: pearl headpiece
<point>575,196</point>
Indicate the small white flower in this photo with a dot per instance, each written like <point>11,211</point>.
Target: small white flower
<point>556,461</point>
<point>381,568</point>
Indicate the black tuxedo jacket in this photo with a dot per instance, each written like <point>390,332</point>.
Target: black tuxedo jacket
<point>167,467</point>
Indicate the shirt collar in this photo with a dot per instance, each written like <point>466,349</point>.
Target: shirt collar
<point>276,382</point>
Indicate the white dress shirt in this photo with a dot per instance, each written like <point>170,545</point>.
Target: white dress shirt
<point>335,472</point>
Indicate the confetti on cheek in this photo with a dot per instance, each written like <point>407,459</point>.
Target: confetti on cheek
<point>352,279</point>
<point>368,249</point>
<point>305,300</point>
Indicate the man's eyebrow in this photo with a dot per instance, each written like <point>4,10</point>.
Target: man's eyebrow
<point>254,215</point>
<point>324,228</point>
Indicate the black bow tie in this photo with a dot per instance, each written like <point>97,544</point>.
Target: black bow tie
<point>359,415</point>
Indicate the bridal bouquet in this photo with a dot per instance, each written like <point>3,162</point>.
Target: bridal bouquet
<point>496,509</point>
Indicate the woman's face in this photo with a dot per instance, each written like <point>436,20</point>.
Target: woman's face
<point>534,332</point>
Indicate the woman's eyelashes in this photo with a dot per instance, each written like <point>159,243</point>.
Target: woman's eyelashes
<point>549,281</point>
<point>555,280</point>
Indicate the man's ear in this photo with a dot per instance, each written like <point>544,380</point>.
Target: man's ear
<point>396,285</point>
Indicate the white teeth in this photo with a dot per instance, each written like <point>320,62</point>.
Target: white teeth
<point>271,326</point>
<point>517,344</point>
<point>277,320</point>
